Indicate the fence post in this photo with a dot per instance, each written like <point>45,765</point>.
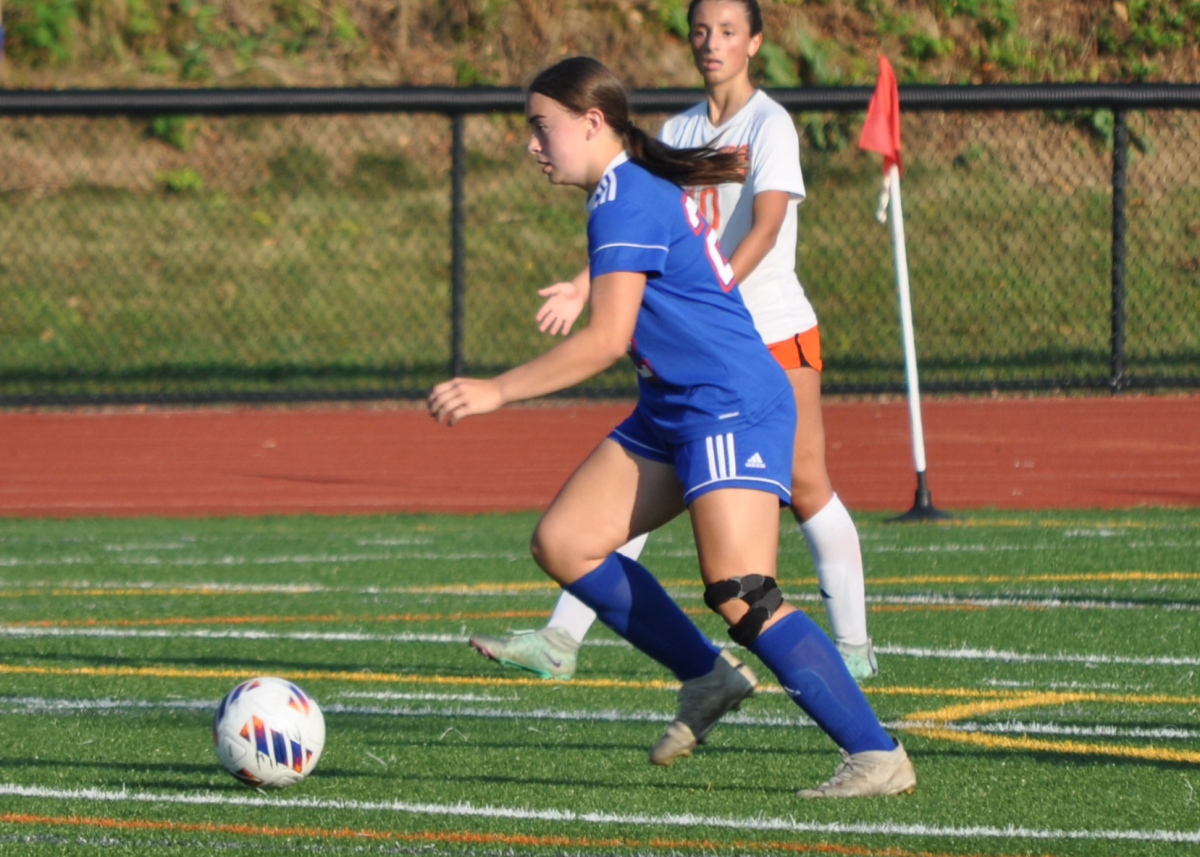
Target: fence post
<point>457,246</point>
<point>1117,380</point>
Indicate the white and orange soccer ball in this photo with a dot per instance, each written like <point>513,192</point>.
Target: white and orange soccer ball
<point>268,732</point>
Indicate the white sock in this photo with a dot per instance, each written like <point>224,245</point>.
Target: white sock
<point>572,615</point>
<point>833,543</point>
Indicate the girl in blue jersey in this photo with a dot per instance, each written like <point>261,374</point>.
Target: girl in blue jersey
<point>757,223</point>
<point>712,433</point>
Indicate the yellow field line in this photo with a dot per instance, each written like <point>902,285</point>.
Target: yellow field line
<point>984,706</point>
<point>995,700</point>
<point>1024,698</point>
<point>323,675</point>
<point>242,620</point>
<point>396,617</point>
<point>1159,754</point>
<point>1030,698</point>
<point>409,678</point>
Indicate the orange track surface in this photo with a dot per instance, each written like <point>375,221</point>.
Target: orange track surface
<point>1009,453</point>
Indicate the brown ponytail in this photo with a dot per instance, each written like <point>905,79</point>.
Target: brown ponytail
<point>581,83</point>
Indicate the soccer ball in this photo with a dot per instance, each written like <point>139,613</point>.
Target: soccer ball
<point>268,732</point>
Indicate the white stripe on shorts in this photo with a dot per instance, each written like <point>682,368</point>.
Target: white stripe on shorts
<point>722,456</point>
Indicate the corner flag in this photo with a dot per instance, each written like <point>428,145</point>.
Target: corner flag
<point>881,133</point>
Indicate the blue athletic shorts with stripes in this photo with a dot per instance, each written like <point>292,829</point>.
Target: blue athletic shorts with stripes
<point>757,457</point>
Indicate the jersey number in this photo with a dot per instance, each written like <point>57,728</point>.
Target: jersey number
<point>708,202</point>
<point>723,269</point>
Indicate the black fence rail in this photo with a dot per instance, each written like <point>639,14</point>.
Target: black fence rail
<point>206,245</point>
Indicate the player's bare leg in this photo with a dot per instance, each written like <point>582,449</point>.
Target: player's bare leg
<point>736,532</point>
<point>737,535</point>
<point>613,496</point>
<point>611,473</point>
<point>829,530</point>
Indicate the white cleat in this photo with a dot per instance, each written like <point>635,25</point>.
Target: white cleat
<point>874,772</point>
<point>702,702</point>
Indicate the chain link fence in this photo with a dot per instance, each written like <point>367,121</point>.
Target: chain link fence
<point>292,245</point>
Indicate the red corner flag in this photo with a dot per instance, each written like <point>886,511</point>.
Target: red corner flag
<point>881,131</point>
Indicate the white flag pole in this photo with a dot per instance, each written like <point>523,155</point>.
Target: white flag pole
<point>923,509</point>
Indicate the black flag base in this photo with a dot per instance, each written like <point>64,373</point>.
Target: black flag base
<point>923,508</point>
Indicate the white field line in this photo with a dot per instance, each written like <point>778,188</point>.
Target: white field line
<point>1065,685</point>
<point>40,705</point>
<point>252,634</point>
<point>1047,603</point>
<point>279,559</point>
<point>1018,727</point>
<point>118,558</point>
<point>426,697</point>
<point>121,555</point>
<point>228,634</point>
<point>547,588</point>
<point>663,820</point>
<point>969,654</point>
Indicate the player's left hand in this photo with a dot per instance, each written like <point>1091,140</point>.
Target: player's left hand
<point>564,303</point>
<point>452,400</point>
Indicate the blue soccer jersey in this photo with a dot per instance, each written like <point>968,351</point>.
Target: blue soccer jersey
<point>701,364</point>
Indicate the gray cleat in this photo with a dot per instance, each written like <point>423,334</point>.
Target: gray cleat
<point>702,702</point>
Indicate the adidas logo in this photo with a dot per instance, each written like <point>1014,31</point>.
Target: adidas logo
<point>756,462</point>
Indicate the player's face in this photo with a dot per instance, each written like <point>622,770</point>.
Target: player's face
<point>558,140</point>
<point>721,41</point>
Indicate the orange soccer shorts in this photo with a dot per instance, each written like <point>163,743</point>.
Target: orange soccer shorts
<point>803,349</point>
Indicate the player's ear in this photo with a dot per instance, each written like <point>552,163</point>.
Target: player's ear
<point>595,122</point>
<point>755,44</point>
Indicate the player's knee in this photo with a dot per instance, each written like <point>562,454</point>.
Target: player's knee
<point>542,549</point>
<point>762,596</point>
<point>811,491</point>
<point>554,550</point>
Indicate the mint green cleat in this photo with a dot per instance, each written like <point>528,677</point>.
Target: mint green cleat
<point>549,653</point>
<point>860,660</point>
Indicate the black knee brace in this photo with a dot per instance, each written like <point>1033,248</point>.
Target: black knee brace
<point>759,592</point>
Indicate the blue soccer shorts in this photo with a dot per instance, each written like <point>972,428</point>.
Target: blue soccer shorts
<point>757,457</point>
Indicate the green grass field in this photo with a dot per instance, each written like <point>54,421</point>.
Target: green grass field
<point>1040,667</point>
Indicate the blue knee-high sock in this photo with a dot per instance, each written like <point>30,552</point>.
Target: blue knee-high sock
<point>629,600</point>
<point>812,671</point>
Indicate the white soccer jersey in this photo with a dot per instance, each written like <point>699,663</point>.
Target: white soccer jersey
<point>763,130</point>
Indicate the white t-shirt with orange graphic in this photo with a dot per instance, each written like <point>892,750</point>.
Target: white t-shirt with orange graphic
<point>764,131</point>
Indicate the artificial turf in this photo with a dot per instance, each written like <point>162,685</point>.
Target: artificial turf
<point>1040,667</point>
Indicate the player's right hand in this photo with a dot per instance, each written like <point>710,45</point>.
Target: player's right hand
<point>452,400</point>
<point>564,302</point>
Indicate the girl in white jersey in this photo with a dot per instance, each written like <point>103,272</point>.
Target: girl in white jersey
<point>757,226</point>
